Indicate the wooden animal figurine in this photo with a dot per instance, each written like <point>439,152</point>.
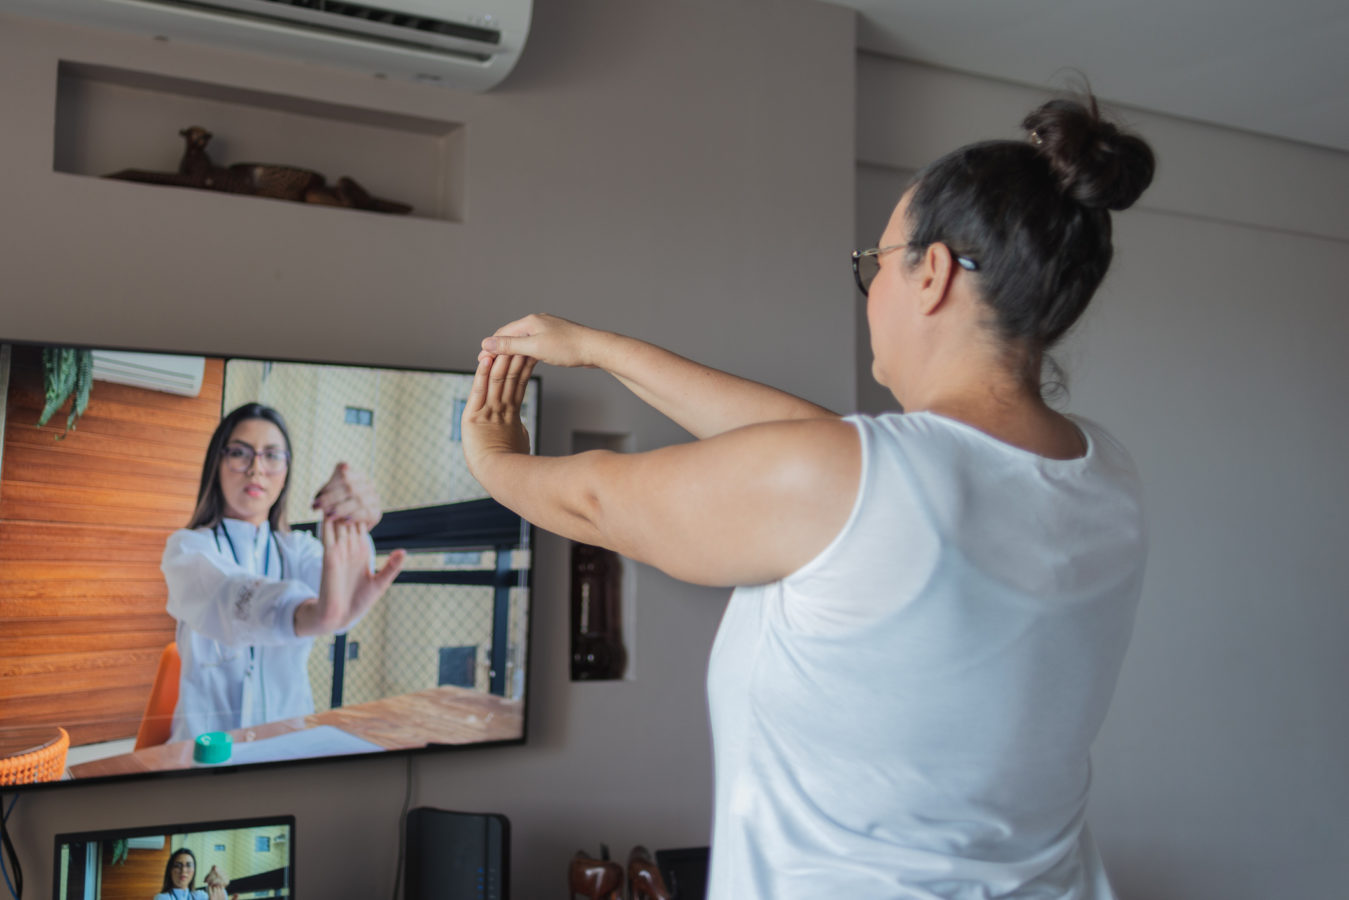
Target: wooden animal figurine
<point>196,169</point>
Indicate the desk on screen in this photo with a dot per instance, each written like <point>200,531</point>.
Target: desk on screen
<point>441,715</point>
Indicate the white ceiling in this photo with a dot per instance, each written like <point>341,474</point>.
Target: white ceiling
<point>1278,67</point>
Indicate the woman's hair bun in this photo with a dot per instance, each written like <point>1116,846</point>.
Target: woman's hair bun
<point>1097,164</point>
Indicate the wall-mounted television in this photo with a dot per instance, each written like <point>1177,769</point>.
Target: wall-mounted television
<point>90,504</point>
<point>252,857</point>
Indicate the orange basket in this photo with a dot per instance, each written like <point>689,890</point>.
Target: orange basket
<point>46,762</point>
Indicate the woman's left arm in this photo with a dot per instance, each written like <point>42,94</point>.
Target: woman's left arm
<point>744,507</point>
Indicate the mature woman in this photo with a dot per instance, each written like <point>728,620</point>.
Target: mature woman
<point>931,608</point>
<point>249,594</point>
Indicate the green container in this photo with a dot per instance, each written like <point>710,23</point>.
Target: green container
<point>212,747</point>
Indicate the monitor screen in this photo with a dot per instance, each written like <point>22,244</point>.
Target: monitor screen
<point>254,857</point>
<point>152,576</point>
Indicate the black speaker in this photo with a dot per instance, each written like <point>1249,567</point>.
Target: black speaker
<point>684,872</point>
<point>457,855</point>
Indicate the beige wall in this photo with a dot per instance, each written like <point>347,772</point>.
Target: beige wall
<point>680,171</point>
<point>1214,351</point>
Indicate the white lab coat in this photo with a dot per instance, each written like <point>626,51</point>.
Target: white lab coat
<point>242,663</point>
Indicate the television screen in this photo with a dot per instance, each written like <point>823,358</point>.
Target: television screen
<point>254,857</point>
<point>144,631</point>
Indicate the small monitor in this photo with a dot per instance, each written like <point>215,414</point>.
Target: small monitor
<point>255,856</point>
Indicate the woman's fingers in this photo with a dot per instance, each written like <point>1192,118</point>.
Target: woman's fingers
<point>349,493</point>
<point>343,539</point>
<point>499,384</point>
<point>346,510</point>
<point>498,344</point>
<point>389,571</point>
<point>477,394</point>
<point>546,338</point>
<point>496,379</point>
<point>335,485</point>
<point>522,384</point>
<point>511,379</point>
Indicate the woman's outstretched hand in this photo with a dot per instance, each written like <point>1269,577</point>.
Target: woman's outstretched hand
<point>349,495</point>
<point>347,587</point>
<point>216,884</point>
<point>547,339</point>
<point>492,423</point>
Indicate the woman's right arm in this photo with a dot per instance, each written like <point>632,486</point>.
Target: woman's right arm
<point>696,511</point>
<point>703,400</point>
<point>220,600</point>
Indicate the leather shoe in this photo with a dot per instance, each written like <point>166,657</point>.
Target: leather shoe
<point>595,879</point>
<point>644,881</point>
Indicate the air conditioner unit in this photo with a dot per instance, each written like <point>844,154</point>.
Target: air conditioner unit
<point>152,371</point>
<point>467,44</point>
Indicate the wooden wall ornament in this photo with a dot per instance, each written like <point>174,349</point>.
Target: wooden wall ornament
<point>197,170</point>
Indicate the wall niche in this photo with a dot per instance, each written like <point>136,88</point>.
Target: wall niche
<point>110,119</point>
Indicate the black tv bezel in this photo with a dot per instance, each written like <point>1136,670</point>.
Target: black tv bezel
<point>104,834</point>
<point>227,769</point>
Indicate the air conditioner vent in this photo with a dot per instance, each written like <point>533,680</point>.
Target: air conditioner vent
<point>396,19</point>
<point>315,11</point>
<point>354,20</point>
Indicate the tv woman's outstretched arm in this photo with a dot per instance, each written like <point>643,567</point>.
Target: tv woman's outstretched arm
<point>703,400</point>
<point>348,587</point>
<point>696,511</point>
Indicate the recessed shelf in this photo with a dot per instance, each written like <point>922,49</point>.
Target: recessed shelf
<point>110,119</point>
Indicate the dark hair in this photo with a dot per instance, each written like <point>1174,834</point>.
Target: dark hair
<point>1034,214</point>
<point>168,871</point>
<point>210,501</point>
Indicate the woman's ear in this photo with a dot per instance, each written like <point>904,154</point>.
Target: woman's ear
<point>935,271</point>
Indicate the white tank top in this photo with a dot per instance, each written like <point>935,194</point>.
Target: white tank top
<point>910,714</point>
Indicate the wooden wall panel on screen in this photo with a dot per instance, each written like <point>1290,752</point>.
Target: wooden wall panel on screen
<point>138,877</point>
<point>83,520</point>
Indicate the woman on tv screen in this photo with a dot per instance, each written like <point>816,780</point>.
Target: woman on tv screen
<point>249,594</point>
<point>180,875</point>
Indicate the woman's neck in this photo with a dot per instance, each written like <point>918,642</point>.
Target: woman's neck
<point>1004,405</point>
<point>256,522</point>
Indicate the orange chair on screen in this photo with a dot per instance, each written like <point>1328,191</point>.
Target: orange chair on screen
<point>157,721</point>
<point>44,763</point>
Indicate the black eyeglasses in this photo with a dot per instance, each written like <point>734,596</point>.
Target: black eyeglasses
<point>239,457</point>
<point>866,265</point>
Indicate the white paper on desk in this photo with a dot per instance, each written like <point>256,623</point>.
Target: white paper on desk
<point>323,740</point>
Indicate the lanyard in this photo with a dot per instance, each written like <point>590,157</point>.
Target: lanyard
<point>266,560</point>
<point>266,566</point>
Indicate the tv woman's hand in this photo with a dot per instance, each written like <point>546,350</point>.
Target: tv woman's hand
<point>548,339</point>
<point>216,884</point>
<point>491,423</point>
<point>349,495</point>
<point>347,587</point>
